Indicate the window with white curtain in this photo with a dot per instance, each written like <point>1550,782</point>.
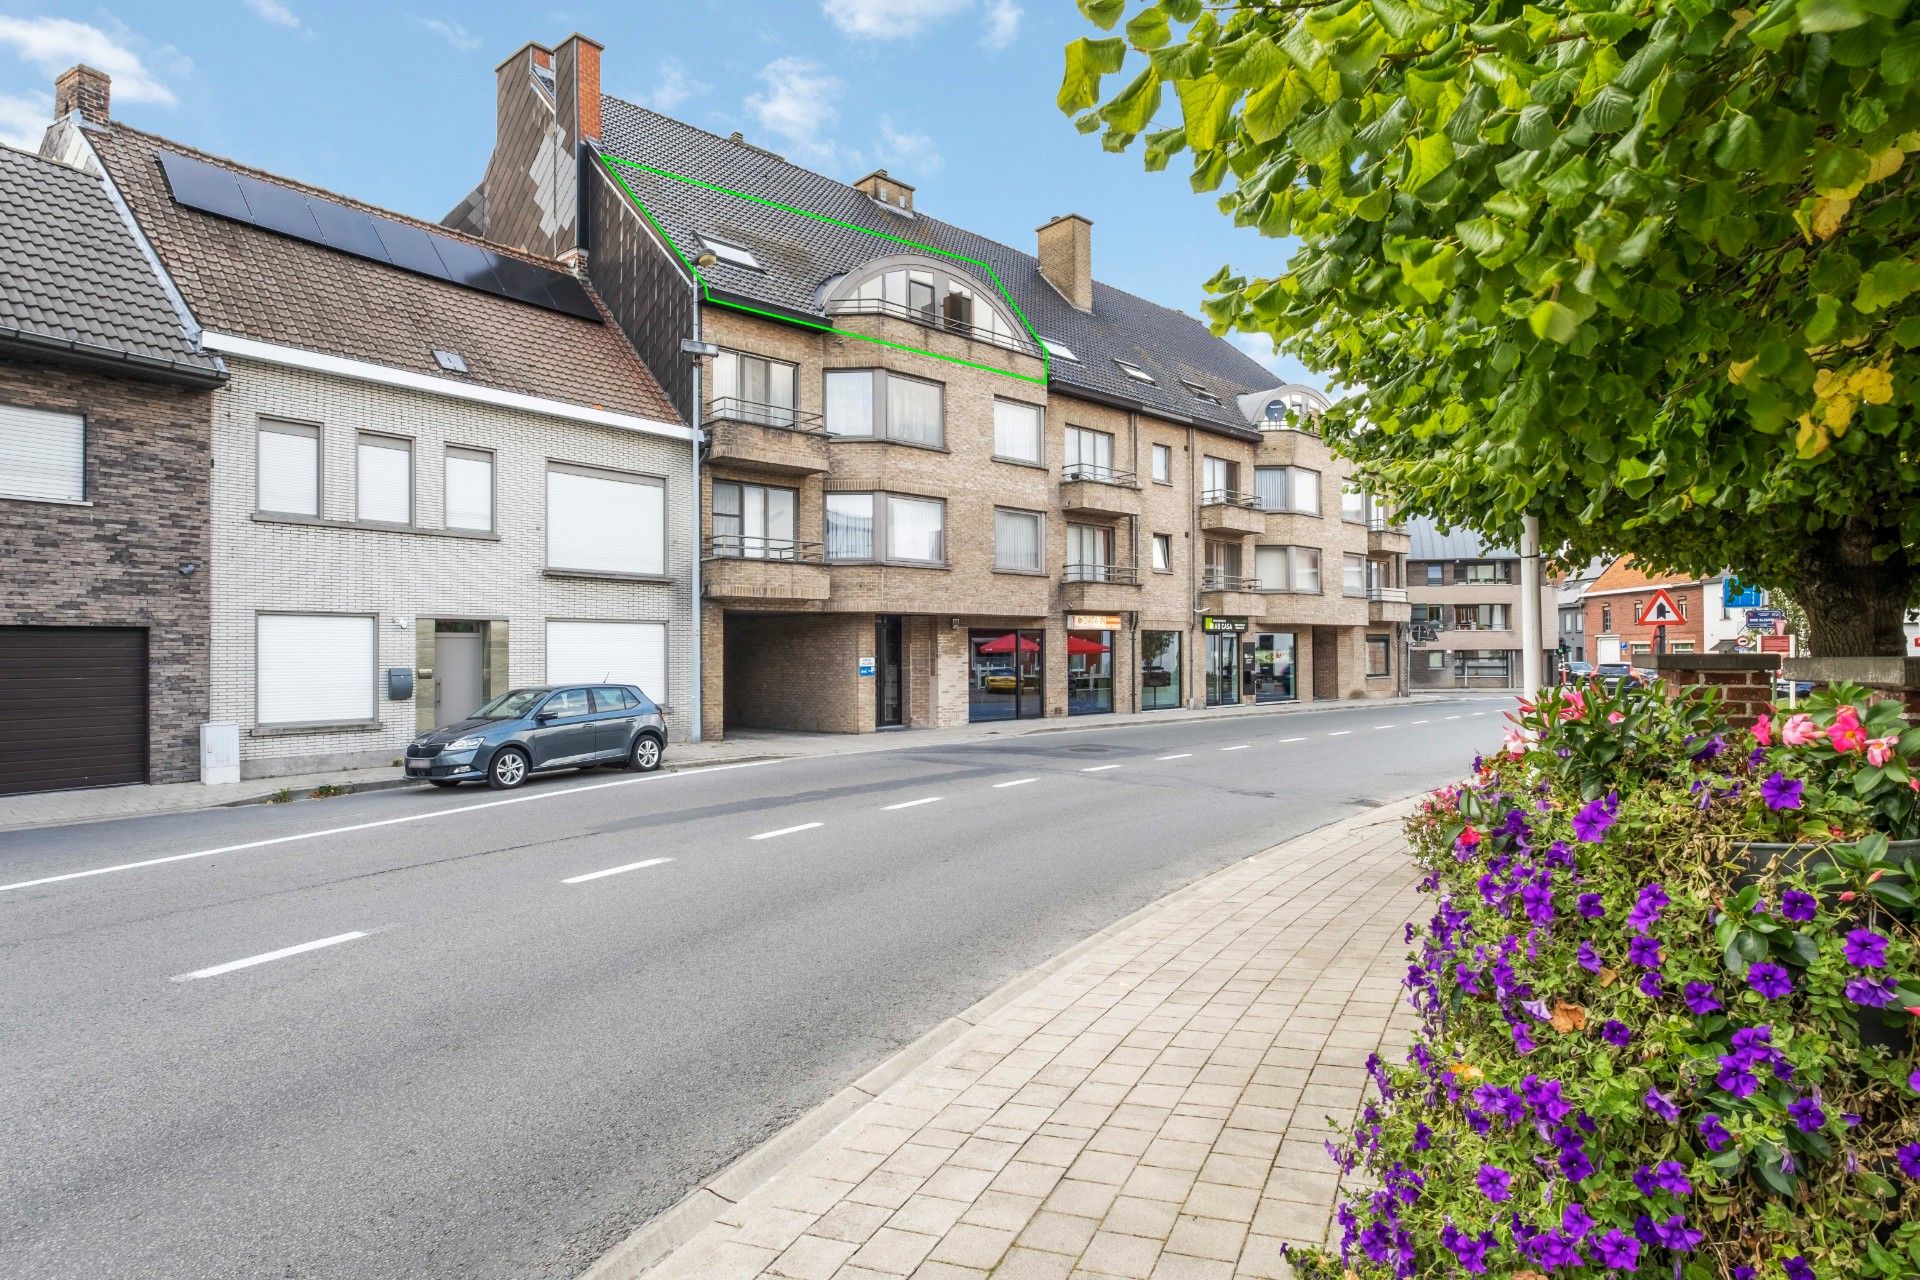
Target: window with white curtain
<point>287,468</point>
<point>849,526</point>
<point>916,529</point>
<point>882,405</point>
<point>313,669</point>
<point>1016,540</point>
<point>763,389</point>
<point>1089,454</point>
<point>753,521</point>
<point>1218,477</point>
<point>1163,553</point>
<point>1288,569</point>
<point>1353,504</point>
<point>469,475</point>
<point>1163,464</point>
<point>1270,567</point>
<point>1353,575</point>
<point>1089,552</point>
<point>1304,568</point>
<point>43,455</point>
<point>1294,489</point>
<point>605,521</point>
<point>383,479</point>
<point>1016,430</point>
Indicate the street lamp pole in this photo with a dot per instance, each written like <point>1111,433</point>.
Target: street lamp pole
<point>1532,637</point>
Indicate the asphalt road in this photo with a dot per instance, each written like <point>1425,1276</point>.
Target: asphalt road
<point>497,1068</point>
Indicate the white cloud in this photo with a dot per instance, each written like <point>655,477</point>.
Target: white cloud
<point>24,117</point>
<point>914,155</point>
<point>54,44</point>
<point>889,19</point>
<point>673,89</point>
<point>1003,24</point>
<point>797,106</point>
<point>452,32</point>
<point>273,11</point>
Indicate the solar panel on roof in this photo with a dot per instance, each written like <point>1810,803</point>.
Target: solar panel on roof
<point>318,220</point>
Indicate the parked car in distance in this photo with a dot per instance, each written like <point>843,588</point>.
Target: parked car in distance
<point>527,731</point>
<point>1796,689</point>
<point>1613,675</point>
<point>1575,672</point>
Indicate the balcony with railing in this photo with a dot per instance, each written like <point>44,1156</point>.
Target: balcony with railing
<point>769,437</point>
<point>1086,489</point>
<point>742,570</point>
<point>931,317</point>
<point>1230,511</point>
<point>1100,588</point>
<point>1388,604</point>
<point>1223,591</point>
<point>1386,535</point>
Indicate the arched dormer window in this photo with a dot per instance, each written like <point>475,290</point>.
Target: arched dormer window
<point>929,292</point>
<point>1286,406</point>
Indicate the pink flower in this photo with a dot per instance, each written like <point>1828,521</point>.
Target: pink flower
<point>1798,731</point>
<point>1763,731</point>
<point>1846,733</point>
<point>1614,717</point>
<point>1880,750</point>
<point>1576,705</point>
<point>1517,742</point>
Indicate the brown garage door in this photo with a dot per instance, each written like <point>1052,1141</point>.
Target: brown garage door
<point>73,707</point>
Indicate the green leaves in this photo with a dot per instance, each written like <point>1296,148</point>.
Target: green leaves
<point>1552,322</point>
<point>1103,14</point>
<point>1087,61</point>
<point>1427,158</point>
<point>1205,103</point>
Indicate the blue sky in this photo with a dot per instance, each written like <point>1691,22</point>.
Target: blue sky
<point>393,103</point>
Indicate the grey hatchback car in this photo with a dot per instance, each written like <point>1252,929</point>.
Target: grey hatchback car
<point>527,731</point>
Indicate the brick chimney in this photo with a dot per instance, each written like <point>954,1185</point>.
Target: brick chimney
<point>82,89</point>
<point>1066,258</point>
<point>888,191</point>
<point>576,86</point>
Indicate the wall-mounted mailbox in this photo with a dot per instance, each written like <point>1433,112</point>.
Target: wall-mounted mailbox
<point>399,683</point>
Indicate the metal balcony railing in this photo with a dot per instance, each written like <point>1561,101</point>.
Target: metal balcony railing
<point>735,547</point>
<point>1221,580</point>
<point>757,413</point>
<point>930,318</point>
<point>1387,595</point>
<point>1119,575</point>
<point>1074,472</point>
<point>1377,523</point>
<point>1230,498</point>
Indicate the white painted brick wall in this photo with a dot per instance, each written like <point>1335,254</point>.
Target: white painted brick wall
<point>261,565</point>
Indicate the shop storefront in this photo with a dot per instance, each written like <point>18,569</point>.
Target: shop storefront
<point>1221,636</point>
<point>1090,643</point>
<point>1006,674</point>
<point>1160,673</point>
<point>1269,667</point>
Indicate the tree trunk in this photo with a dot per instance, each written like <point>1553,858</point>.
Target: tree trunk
<point>1856,605</point>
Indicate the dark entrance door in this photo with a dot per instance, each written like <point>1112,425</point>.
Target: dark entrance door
<point>889,702</point>
<point>73,707</point>
<point>1223,669</point>
<point>1007,672</point>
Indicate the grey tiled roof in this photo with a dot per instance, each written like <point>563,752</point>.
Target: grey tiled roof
<point>1429,543</point>
<point>73,280</point>
<point>800,255</point>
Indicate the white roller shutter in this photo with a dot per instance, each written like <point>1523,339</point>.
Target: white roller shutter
<point>314,669</point>
<point>600,522</point>
<point>42,454</point>
<point>609,653</point>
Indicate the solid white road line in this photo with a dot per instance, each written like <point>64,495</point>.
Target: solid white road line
<point>909,804</point>
<point>785,831</point>
<point>1287,740</point>
<point>1017,782</point>
<point>1339,733</point>
<point>1099,768</point>
<point>1242,747</point>
<point>1179,756</point>
<point>385,822</point>
<point>614,871</point>
<point>218,969</point>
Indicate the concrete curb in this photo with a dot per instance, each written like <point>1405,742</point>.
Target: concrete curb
<point>653,1242</point>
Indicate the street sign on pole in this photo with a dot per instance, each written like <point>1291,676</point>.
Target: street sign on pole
<point>1765,619</point>
<point>1659,611</point>
<point>1742,643</point>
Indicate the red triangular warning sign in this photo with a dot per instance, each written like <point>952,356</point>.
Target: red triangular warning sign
<point>1659,611</point>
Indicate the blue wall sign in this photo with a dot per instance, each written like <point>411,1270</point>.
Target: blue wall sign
<point>866,666</point>
<point>1741,596</point>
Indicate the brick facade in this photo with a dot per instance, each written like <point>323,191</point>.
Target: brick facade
<point>411,578</point>
<point>117,561</point>
<point>1613,626</point>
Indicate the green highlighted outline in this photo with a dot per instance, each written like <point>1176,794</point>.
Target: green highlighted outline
<point>1046,363</point>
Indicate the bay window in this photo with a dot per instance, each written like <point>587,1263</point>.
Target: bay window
<point>886,527</point>
<point>881,405</point>
<point>1294,489</point>
<point>1295,569</point>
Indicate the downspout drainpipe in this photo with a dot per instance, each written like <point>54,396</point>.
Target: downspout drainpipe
<point>699,606</point>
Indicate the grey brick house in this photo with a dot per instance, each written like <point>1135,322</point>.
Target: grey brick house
<point>105,445</point>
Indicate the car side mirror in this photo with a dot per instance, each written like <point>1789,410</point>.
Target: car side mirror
<point>546,713</point>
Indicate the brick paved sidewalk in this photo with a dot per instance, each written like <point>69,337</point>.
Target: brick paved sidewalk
<point>1155,1108</point>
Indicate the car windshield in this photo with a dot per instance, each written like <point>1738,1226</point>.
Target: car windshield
<point>1613,668</point>
<point>511,705</point>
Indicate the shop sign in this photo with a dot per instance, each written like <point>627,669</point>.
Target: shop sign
<point>1095,622</point>
<point>1231,625</point>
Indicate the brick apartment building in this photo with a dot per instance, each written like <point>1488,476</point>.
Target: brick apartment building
<point>1465,594</point>
<point>1612,605</point>
<point>914,513</point>
<point>104,450</point>
<point>438,468</point>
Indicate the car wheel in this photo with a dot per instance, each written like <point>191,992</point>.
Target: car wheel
<point>508,770</point>
<point>444,782</point>
<point>646,754</point>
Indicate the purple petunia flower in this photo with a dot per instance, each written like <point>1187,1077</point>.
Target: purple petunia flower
<point>1661,1105</point>
<point>1589,906</point>
<point>1781,792</point>
<point>1672,1234</point>
<point>1797,906</point>
<point>1422,1136</point>
<point>1523,1041</point>
<point>1745,1272</point>
<point>1866,949</point>
<point>1798,1268</point>
<point>1647,907</point>
<point>1588,958</point>
<point>1807,1113</point>
<point>1591,823</point>
<point>1470,1250</point>
<point>1644,951</point>
<point>1494,1182</point>
<point>1669,1176</point>
<point>1617,1249</point>
<point>1871,993</point>
<point>1769,979</point>
<point>1714,1130</point>
<point>1700,999</point>
<point>1650,986</point>
<point>1908,1158</point>
<point>1913,1082</point>
<point>1575,1220</point>
<point>1736,1077</point>
<point>1616,1034</point>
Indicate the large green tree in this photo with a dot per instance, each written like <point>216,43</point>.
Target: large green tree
<point>1645,268</point>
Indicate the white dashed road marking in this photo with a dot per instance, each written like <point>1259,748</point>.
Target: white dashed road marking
<point>248,963</point>
<point>1242,747</point>
<point>909,804</point>
<point>1287,740</point>
<point>1181,755</point>
<point>1017,782</point>
<point>614,871</point>
<point>1337,733</point>
<point>1419,722</point>
<point>1099,768</point>
<point>785,831</point>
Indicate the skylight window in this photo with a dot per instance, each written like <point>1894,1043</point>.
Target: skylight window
<point>1199,392</point>
<point>451,361</point>
<point>1059,349</point>
<point>733,253</point>
<point>1138,374</point>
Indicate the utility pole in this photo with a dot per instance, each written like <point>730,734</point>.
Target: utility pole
<point>1532,638</point>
